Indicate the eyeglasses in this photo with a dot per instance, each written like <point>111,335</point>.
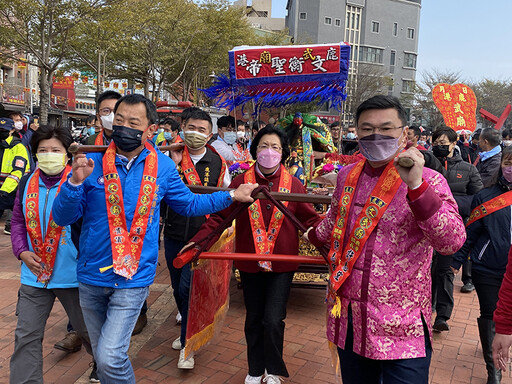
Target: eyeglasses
<point>275,147</point>
<point>367,129</point>
<point>105,111</point>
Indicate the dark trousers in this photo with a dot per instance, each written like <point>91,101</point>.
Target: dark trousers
<point>442,286</point>
<point>356,369</point>
<point>33,309</point>
<point>487,288</point>
<point>266,297</point>
<point>180,281</point>
<point>466,272</point>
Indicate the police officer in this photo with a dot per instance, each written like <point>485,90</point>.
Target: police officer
<point>14,163</point>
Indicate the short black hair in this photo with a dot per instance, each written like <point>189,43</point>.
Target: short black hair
<point>450,134</point>
<point>175,126</point>
<point>226,121</point>
<point>198,114</point>
<point>256,125</point>
<point>491,135</point>
<point>382,102</point>
<point>46,132</point>
<point>506,152</point>
<point>506,132</point>
<point>416,130</point>
<point>335,124</point>
<point>269,129</point>
<point>10,114</point>
<point>188,111</point>
<point>476,134</point>
<point>107,95</point>
<point>91,119</point>
<point>134,99</point>
<point>239,123</point>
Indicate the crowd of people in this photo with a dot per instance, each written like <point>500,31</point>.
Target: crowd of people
<point>87,231</point>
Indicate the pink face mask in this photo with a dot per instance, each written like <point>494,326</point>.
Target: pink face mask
<point>268,158</point>
<point>378,147</point>
<point>507,173</point>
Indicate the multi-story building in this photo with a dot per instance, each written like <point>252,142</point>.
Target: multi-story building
<point>259,13</point>
<point>383,35</point>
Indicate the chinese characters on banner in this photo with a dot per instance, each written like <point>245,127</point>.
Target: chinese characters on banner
<point>457,104</point>
<point>261,62</point>
<point>277,76</point>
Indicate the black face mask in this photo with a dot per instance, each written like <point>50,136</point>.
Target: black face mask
<point>3,134</point>
<point>126,139</point>
<point>441,151</point>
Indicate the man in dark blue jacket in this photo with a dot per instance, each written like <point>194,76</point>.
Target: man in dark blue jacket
<point>118,196</point>
<point>464,181</point>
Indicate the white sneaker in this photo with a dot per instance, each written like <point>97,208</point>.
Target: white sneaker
<point>253,379</point>
<point>178,318</point>
<point>186,363</point>
<point>272,379</point>
<point>176,344</point>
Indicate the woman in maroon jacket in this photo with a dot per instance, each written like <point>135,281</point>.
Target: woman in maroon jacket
<point>263,229</point>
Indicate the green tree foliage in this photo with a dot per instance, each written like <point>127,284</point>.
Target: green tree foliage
<point>493,96</point>
<point>43,29</point>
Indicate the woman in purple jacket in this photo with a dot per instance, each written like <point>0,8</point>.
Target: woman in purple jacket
<point>47,253</point>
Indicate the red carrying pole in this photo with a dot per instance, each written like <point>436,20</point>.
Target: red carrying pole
<point>186,257</point>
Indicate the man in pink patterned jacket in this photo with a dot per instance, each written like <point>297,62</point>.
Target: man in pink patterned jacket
<point>385,219</point>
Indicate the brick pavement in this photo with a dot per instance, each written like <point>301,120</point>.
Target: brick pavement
<point>457,357</point>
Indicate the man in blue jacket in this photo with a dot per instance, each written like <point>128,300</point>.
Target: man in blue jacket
<point>118,196</point>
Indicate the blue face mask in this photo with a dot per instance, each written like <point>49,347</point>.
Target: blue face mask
<point>168,135</point>
<point>351,136</point>
<point>182,135</point>
<point>90,131</point>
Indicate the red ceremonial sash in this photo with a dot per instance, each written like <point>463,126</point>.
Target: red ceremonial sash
<point>99,138</point>
<point>491,206</point>
<point>241,154</point>
<point>127,246</point>
<point>47,249</point>
<point>190,173</point>
<point>379,200</point>
<point>264,241</point>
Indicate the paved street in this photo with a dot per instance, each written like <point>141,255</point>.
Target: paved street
<point>457,357</point>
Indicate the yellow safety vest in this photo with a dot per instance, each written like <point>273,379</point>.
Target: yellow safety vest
<point>14,163</point>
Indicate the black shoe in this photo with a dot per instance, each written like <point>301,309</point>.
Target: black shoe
<point>7,229</point>
<point>440,325</point>
<point>93,377</point>
<point>142,321</point>
<point>468,287</point>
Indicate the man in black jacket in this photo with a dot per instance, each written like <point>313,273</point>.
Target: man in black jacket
<point>490,156</point>
<point>464,181</point>
<point>197,164</point>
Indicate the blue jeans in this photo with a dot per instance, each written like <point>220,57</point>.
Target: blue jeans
<point>110,315</point>
<point>180,281</point>
<point>356,369</point>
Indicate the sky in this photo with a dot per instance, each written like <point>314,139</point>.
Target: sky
<point>473,37</point>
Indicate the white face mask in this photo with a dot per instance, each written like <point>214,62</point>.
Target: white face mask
<point>240,134</point>
<point>51,163</point>
<point>18,125</point>
<point>506,143</point>
<point>230,137</point>
<point>106,121</point>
